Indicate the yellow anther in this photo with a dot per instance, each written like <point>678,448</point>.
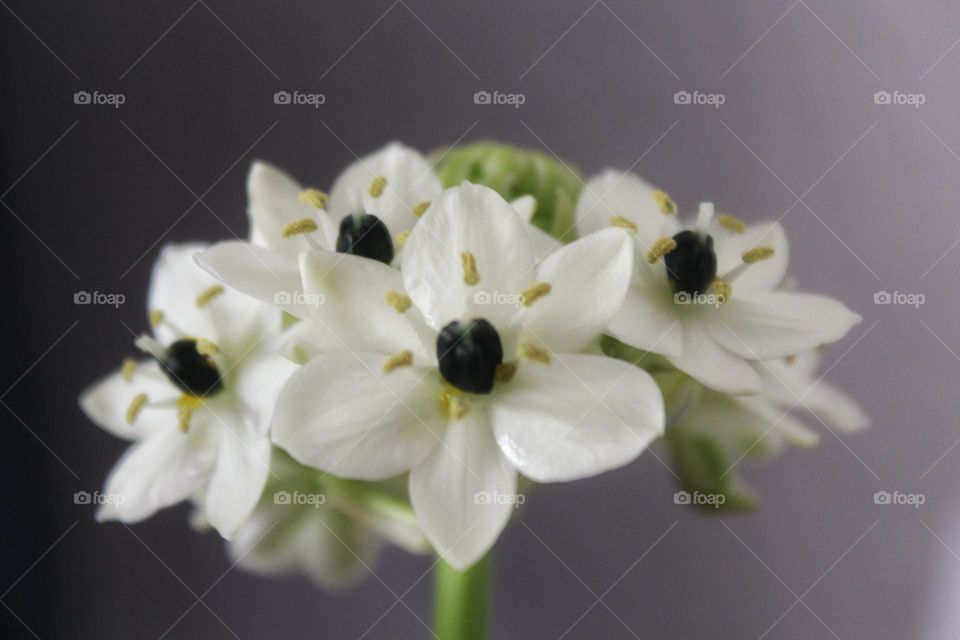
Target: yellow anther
<point>535,292</point>
<point>297,227</point>
<point>127,369</point>
<point>421,208</point>
<point>660,248</point>
<point>731,223</point>
<point>453,405</point>
<point>314,197</point>
<point>790,359</point>
<point>623,223</point>
<point>470,274</point>
<point>533,352</point>
<point>402,359</point>
<point>723,289</point>
<point>398,301</point>
<point>156,317</point>
<point>505,372</point>
<point>757,254</point>
<point>665,202</point>
<point>207,295</point>
<point>207,348</point>
<point>402,238</point>
<point>186,405</point>
<point>135,407</point>
<point>377,186</point>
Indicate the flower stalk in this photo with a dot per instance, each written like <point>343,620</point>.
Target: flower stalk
<point>461,606</point>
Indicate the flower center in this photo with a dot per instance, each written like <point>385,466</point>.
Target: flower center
<point>364,234</point>
<point>190,370</point>
<point>692,265</point>
<point>469,355</point>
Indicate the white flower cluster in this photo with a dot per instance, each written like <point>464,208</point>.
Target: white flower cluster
<point>383,362</point>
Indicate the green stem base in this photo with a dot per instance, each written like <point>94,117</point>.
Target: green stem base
<point>462,601</point>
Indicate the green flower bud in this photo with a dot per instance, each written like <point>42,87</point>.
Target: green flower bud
<point>514,172</point>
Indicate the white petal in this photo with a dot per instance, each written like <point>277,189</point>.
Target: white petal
<point>648,321</point>
<point>774,324</point>
<point>761,276</point>
<point>588,281</point>
<point>175,282</point>
<point>257,272</point>
<point>157,472</point>
<point>274,202</point>
<point>258,383</point>
<point>615,193</point>
<point>352,309</point>
<point>579,416</point>
<point>343,414</point>
<point>525,206</point>
<point>475,219</point>
<point>243,462</point>
<point>107,402</point>
<point>410,181</point>
<point>462,493</point>
<point>704,359</point>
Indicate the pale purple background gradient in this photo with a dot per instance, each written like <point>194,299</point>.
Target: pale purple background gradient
<point>867,192</point>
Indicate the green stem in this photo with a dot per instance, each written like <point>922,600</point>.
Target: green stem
<point>462,601</point>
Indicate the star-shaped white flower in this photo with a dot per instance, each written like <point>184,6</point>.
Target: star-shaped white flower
<point>326,528</point>
<point>199,410</point>
<point>464,368</point>
<point>370,211</point>
<point>705,295</point>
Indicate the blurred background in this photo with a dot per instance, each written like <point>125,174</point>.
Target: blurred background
<point>866,184</point>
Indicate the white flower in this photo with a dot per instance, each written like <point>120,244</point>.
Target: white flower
<point>324,527</point>
<point>464,368</point>
<point>764,424</point>
<point>705,296</point>
<point>199,411</point>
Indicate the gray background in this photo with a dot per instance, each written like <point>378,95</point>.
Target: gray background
<point>867,193</point>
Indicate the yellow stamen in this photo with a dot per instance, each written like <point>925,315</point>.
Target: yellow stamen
<point>790,359</point>
<point>156,317</point>
<point>207,348</point>
<point>127,369</point>
<point>757,254</point>
<point>453,405</point>
<point>505,372</point>
<point>533,293</point>
<point>623,223</point>
<point>297,227</point>
<point>135,407</point>
<point>731,223</point>
<point>533,352</point>
<point>402,359</point>
<point>665,202</point>
<point>377,186</point>
<point>723,289</point>
<point>660,248</point>
<point>398,301</point>
<point>314,197</point>
<point>421,208</point>
<point>470,274</point>
<point>402,238</point>
<point>207,295</point>
<point>186,405</point>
